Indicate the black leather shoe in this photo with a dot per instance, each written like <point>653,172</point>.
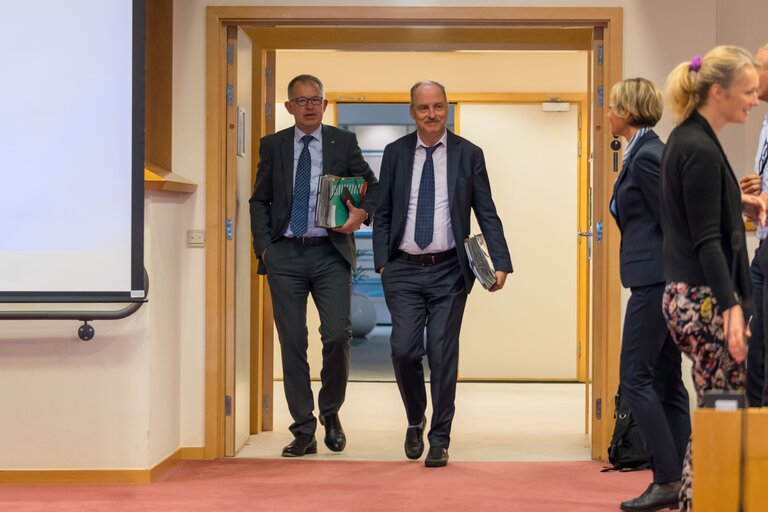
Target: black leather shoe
<point>334,439</point>
<point>437,457</point>
<point>414,440</point>
<point>303,444</point>
<point>655,497</point>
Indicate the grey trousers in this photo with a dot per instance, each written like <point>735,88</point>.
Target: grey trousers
<point>293,272</point>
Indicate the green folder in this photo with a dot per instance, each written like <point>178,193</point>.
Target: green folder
<point>332,192</point>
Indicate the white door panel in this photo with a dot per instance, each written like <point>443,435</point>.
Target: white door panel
<point>528,329</point>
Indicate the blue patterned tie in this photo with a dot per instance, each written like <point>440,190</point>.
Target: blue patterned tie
<point>425,208</point>
<point>300,207</point>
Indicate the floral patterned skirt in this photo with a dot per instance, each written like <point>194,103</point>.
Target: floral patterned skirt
<point>696,324</point>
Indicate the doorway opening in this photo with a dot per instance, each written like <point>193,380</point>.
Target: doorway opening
<point>463,28</point>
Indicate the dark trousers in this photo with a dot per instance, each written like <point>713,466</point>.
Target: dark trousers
<point>432,297</point>
<point>293,272</point>
<point>651,382</point>
<point>757,391</point>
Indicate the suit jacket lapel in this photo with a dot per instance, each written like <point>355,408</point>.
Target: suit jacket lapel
<point>452,152</point>
<point>286,155</point>
<point>329,147</point>
<point>409,153</point>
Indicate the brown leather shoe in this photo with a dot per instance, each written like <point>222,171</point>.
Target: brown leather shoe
<point>335,439</point>
<point>302,444</point>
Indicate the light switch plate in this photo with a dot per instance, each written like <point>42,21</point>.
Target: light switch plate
<point>195,238</point>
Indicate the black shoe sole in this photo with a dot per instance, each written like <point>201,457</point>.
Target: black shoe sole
<point>435,463</point>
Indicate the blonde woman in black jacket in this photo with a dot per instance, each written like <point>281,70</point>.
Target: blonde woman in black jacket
<point>707,301</point>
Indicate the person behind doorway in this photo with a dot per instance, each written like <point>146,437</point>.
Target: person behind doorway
<point>707,300</point>
<point>300,258</point>
<point>650,376</point>
<point>757,183</point>
<point>430,180</point>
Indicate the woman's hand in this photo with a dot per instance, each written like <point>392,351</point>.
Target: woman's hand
<point>736,332</point>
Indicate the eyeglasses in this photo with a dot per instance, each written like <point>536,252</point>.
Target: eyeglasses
<point>302,101</point>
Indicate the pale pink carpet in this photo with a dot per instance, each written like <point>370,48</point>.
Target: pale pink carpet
<point>346,486</point>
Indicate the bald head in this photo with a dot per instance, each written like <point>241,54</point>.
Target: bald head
<point>428,84</point>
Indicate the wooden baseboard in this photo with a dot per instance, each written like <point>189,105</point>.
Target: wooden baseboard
<point>101,476</point>
<point>75,476</point>
<point>193,453</point>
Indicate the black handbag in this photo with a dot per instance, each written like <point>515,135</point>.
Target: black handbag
<point>627,449</point>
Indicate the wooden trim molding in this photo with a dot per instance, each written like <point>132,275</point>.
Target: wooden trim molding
<point>102,476</point>
<point>276,24</point>
<point>157,178</point>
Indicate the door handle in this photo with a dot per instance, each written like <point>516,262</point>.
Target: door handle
<point>585,233</point>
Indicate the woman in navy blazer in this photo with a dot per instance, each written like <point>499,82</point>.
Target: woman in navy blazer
<point>650,378</point>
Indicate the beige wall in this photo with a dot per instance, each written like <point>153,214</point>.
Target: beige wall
<point>114,401</point>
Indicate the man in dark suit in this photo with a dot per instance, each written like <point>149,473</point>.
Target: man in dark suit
<point>300,258</point>
<point>430,180</point>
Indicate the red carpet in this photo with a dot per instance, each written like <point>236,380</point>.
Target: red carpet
<point>345,486</point>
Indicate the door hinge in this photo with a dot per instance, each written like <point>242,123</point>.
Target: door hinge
<point>579,148</point>
<point>230,53</point>
<point>268,111</point>
<point>228,225</point>
<point>268,76</point>
<point>228,405</point>
<point>599,55</point>
<point>600,96</point>
<point>264,402</point>
<point>230,94</point>
<point>599,409</point>
<point>578,348</point>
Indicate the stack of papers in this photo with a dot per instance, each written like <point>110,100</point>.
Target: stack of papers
<point>332,195</point>
<point>480,260</point>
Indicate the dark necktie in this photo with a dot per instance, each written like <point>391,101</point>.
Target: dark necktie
<point>425,207</point>
<point>300,207</point>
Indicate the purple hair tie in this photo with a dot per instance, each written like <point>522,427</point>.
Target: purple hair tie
<point>695,64</point>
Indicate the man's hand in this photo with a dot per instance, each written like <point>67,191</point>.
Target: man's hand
<point>501,277</point>
<point>755,207</point>
<point>750,184</point>
<point>356,217</point>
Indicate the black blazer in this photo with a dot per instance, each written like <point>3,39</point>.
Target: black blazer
<point>468,189</point>
<point>636,196</point>
<point>704,240</point>
<point>273,192</point>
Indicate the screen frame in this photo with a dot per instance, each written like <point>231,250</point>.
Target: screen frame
<point>137,293</point>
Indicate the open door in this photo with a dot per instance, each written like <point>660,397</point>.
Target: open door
<point>530,331</point>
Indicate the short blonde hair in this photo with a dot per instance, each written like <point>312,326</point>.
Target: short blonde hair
<point>640,98</point>
<point>689,83</point>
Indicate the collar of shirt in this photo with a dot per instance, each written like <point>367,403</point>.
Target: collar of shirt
<point>443,139</point>
<point>633,141</point>
<point>317,134</point>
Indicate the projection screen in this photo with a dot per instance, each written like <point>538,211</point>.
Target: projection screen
<point>72,146</point>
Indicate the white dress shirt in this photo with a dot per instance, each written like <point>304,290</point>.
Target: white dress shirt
<point>316,154</point>
<point>761,168</point>
<point>442,235</point>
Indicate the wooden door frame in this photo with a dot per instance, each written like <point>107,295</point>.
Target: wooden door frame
<point>606,23</point>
